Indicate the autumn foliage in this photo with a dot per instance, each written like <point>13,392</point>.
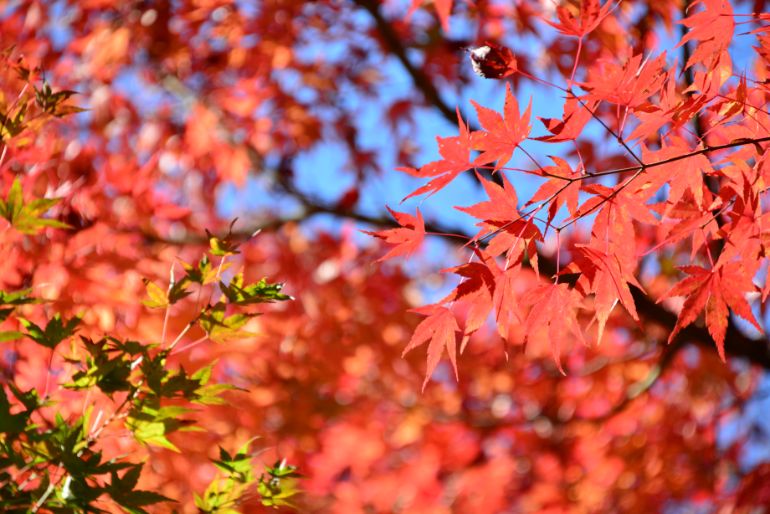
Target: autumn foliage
<point>560,306</point>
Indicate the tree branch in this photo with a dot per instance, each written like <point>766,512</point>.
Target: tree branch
<point>393,43</point>
<point>737,344</point>
<point>429,91</point>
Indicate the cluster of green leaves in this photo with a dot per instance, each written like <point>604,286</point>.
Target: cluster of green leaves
<point>224,319</point>
<point>275,486</point>
<point>27,218</point>
<point>67,474</point>
<point>20,115</point>
<point>54,464</point>
<point>52,102</point>
<point>25,447</point>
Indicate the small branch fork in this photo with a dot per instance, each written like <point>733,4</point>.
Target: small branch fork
<point>638,171</point>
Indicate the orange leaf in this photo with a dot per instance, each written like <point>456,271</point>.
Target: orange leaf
<point>553,317</point>
<point>501,134</point>
<point>407,239</point>
<point>440,328</point>
<point>713,290</point>
<point>456,159</point>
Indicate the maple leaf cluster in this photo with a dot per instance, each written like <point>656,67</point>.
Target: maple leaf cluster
<point>665,196</point>
<point>614,176</point>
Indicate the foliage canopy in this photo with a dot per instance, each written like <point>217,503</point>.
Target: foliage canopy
<point>590,329</point>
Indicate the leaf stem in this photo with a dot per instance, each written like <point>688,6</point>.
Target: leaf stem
<point>612,195</point>
<point>190,345</point>
<point>577,59</point>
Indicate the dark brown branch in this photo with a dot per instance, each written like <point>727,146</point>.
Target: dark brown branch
<point>393,43</point>
<point>707,149</point>
<point>421,80</point>
<point>737,344</point>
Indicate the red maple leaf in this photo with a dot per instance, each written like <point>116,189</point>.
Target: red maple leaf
<point>440,328</point>
<point>568,195</point>
<point>504,300</point>
<point>475,291</point>
<point>407,238</point>
<point>695,223</point>
<point>502,204</point>
<point>743,232</point>
<point>571,124</point>
<point>501,134</point>
<point>683,175</point>
<point>456,159</point>
<point>630,84</point>
<point>608,280</point>
<point>713,28</point>
<point>553,317</point>
<point>500,216</point>
<point>580,23</point>
<point>713,290</point>
<point>517,239</point>
<point>669,108</point>
<point>485,287</point>
<point>613,230</point>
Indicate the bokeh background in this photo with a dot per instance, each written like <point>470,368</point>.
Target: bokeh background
<point>292,117</point>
